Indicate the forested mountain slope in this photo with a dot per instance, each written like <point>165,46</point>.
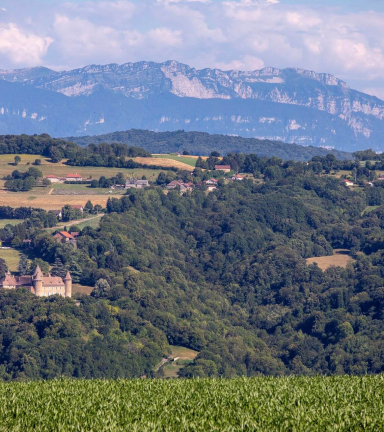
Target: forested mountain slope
<point>222,273</point>
<point>200,143</point>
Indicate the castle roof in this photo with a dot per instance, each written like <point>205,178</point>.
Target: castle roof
<point>67,276</point>
<point>8,279</point>
<point>38,275</point>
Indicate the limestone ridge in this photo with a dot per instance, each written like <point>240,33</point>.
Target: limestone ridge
<point>291,105</point>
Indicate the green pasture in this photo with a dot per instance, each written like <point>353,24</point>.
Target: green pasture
<point>4,222</point>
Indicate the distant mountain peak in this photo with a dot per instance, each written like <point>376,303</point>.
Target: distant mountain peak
<point>20,75</point>
<point>293,104</point>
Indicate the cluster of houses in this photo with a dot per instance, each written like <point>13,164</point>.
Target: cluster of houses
<point>68,178</point>
<point>66,237</point>
<point>184,187</point>
<point>211,184</point>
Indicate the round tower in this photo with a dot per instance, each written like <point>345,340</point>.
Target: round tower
<point>68,285</point>
<point>37,280</point>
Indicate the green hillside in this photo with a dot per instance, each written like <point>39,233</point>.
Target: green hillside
<point>200,143</point>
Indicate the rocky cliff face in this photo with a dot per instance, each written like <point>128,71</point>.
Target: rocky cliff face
<point>292,105</point>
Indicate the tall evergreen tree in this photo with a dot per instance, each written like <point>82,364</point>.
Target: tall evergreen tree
<point>3,267</point>
<point>75,270</point>
<point>58,268</point>
<point>22,267</point>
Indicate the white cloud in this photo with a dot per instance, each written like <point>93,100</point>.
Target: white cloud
<point>22,48</point>
<point>80,39</point>
<point>232,34</point>
<point>165,36</point>
<point>116,9</point>
<point>247,63</point>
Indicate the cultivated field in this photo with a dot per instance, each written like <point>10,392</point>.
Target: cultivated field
<point>340,258</point>
<point>188,160</point>
<point>182,162</point>
<point>49,202</point>
<point>341,403</point>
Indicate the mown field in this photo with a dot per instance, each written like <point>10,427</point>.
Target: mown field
<point>340,403</point>
<point>340,258</point>
<point>188,160</point>
<point>49,202</point>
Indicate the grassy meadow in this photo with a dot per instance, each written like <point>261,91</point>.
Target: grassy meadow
<point>185,355</point>
<point>4,222</point>
<point>11,257</point>
<point>340,403</point>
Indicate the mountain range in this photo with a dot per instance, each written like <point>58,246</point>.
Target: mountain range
<point>290,105</point>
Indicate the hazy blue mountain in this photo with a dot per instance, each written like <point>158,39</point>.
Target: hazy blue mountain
<point>290,105</point>
<point>22,75</point>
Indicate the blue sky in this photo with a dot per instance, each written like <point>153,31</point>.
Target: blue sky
<point>344,38</point>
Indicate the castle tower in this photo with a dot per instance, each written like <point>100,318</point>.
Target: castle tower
<point>68,285</point>
<point>37,280</point>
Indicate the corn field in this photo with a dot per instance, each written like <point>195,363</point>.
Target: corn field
<point>256,404</point>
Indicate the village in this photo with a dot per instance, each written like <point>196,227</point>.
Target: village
<point>132,182</point>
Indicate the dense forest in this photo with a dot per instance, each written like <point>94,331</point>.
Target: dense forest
<point>223,273</point>
<point>202,144</point>
<point>57,149</point>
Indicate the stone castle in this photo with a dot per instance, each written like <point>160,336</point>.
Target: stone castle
<point>38,284</point>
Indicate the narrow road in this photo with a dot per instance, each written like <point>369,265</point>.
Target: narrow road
<point>75,222</point>
<point>163,361</point>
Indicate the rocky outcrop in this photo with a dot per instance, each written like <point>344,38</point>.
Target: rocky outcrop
<point>327,111</point>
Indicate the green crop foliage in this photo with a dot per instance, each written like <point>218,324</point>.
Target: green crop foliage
<point>255,404</point>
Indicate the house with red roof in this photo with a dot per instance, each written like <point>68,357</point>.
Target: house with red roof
<point>237,177</point>
<point>64,237</point>
<point>224,168</point>
<point>54,179</point>
<point>74,178</point>
<point>348,182</point>
<point>77,207</point>
<point>211,182</point>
